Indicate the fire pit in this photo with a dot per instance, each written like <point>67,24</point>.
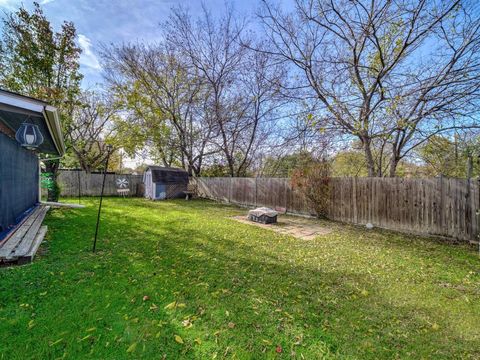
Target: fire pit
<point>263,215</point>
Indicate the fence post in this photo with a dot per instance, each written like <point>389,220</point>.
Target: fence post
<point>354,193</point>
<point>256,191</point>
<point>442,202</point>
<point>79,185</point>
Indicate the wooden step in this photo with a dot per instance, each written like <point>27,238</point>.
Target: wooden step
<point>25,245</point>
<point>24,237</point>
<point>28,257</point>
<point>18,233</point>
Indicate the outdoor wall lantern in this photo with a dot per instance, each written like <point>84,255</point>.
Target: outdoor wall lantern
<point>29,136</point>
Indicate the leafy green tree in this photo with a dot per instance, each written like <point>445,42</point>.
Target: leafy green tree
<point>444,156</point>
<point>285,165</point>
<point>216,169</point>
<point>349,163</point>
<point>37,61</point>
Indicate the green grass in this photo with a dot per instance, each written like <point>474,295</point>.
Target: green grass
<point>221,289</point>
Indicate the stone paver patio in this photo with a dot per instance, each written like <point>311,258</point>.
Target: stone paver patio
<point>300,228</point>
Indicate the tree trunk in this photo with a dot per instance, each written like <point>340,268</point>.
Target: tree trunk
<point>393,166</point>
<point>369,157</point>
<point>189,170</point>
<point>469,166</point>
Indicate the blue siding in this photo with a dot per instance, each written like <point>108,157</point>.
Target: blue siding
<point>18,181</point>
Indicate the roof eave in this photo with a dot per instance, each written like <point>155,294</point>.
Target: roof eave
<point>53,122</point>
<point>50,114</point>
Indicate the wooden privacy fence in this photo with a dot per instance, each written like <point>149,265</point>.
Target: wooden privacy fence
<point>91,183</point>
<point>433,206</point>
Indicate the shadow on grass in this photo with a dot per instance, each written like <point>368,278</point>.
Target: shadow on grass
<point>288,301</point>
<point>246,290</point>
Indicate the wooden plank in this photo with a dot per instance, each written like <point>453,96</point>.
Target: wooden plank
<point>354,203</point>
<point>25,245</point>
<point>28,257</point>
<point>19,233</point>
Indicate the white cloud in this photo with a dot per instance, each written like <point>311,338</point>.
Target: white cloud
<point>9,4</point>
<point>88,58</point>
<point>15,4</point>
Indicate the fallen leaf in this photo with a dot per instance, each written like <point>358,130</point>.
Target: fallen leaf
<point>231,325</point>
<point>132,348</point>
<point>170,306</point>
<point>187,323</point>
<point>178,339</point>
<point>56,342</point>
<point>198,341</point>
<point>86,337</point>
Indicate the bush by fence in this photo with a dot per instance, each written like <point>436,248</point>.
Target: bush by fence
<point>434,206</point>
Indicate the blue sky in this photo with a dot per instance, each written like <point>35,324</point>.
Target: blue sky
<point>115,21</point>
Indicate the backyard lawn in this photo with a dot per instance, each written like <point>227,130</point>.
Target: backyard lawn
<point>177,279</point>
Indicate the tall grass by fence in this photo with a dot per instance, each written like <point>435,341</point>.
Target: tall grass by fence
<point>90,184</point>
<point>434,206</point>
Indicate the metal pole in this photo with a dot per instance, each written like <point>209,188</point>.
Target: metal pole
<point>477,213</point>
<point>478,210</point>
<point>101,198</point>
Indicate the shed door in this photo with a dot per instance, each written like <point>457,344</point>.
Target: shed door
<point>160,191</point>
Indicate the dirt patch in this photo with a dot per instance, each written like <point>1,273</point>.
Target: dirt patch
<point>300,228</point>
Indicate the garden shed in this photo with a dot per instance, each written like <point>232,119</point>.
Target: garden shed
<point>164,182</point>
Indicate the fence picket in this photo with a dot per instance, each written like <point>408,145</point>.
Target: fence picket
<point>434,206</point>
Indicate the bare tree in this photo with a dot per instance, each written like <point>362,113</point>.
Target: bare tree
<point>389,73</point>
<point>91,128</point>
<point>166,99</point>
<point>236,96</point>
<point>261,82</point>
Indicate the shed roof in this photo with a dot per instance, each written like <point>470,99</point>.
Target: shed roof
<point>16,109</point>
<point>168,175</point>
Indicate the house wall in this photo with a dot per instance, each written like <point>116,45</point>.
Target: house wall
<point>18,181</point>
<point>7,131</point>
